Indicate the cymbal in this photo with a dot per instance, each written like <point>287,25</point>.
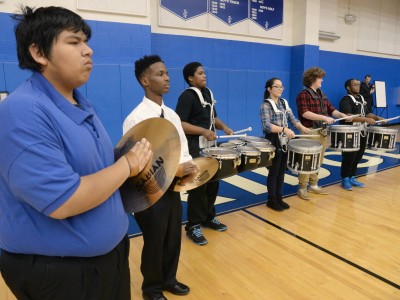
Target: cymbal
<point>207,167</point>
<point>145,189</point>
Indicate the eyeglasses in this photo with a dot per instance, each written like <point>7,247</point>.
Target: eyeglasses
<point>281,87</point>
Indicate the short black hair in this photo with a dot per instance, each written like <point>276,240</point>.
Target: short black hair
<point>365,77</point>
<point>144,63</point>
<point>42,27</point>
<point>348,83</point>
<point>190,69</point>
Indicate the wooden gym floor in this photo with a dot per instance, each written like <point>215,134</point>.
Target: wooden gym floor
<point>345,245</point>
<point>341,246</point>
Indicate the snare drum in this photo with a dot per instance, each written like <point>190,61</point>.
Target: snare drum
<point>250,158</point>
<point>227,145</point>
<point>304,156</point>
<point>382,138</point>
<point>229,160</point>
<point>344,137</point>
<point>254,139</point>
<point>267,152</point>
<point>237,143</point>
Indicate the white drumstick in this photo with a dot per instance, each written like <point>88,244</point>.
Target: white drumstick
<point>243,130</point>
<point>387,120</point>
<point>230,136</point>
<point>306,135</point>
<point>348,117</point>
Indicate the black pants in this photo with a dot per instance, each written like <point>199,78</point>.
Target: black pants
<point>201,203</point>
<point>276,175</point>
<point>351,159</point>
<point>105,277</point>
<point>201,200</point>
<point>161,225</point>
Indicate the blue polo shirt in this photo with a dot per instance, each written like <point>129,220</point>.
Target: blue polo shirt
<point>46,145</point>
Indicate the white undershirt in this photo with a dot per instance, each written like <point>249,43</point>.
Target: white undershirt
<point>149,109</point>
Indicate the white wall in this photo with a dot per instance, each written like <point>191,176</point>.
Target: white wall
<point>11,6</point>
<point>365,30</point>
<point>302,23</point>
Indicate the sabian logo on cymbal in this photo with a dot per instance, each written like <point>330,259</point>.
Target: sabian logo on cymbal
<point>154,179</point>
<point>203,176</point>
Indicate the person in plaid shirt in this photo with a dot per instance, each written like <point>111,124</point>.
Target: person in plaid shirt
<point>275,115</point>
<point>315,112</point>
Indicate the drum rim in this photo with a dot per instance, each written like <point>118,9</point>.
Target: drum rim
<point>232,154</point>
<point>292,144</point>
<point>354,128</point>
<point>377,129</point>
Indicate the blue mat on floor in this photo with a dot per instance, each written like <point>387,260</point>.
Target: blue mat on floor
<point>372,162</point>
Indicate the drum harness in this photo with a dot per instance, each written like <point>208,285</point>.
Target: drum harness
<point>283,139</point>
<point>363,125</point>
<point>212,117</point>
<point>322,126</point>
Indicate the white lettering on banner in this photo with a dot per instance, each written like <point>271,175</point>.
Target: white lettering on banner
<point>230,1</point>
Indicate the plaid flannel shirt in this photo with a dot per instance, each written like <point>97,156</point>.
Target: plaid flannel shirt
<point>268,116</point>
<point>305,102</point>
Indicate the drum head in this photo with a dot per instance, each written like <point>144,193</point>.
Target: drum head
<point>227,145</point>
<point>221,153</point>
<point>305,145</point>
<point>262,146</point>
<point>236,142</point>
<point>249,151</point>
<point>252,139</point>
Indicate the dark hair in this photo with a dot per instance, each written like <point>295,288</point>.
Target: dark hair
<point>365,77</point>
<point>269,84</point>
<point>310,75</point>
<point>142,64</point>
<point>190,69</point>
<point>348,83</point>
<point>42,27</point>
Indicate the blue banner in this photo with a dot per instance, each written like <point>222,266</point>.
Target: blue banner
<point>230,11</point>
<point>185,9</point>
<point>267,13</point>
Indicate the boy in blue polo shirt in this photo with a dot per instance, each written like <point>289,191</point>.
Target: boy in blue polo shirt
<point>62,224</point>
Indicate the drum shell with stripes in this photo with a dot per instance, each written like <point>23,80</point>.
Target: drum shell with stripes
<point>229,160</point>
<point>304,156</point>
<point>382,138</point>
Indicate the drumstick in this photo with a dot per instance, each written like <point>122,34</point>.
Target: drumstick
<point>243,130</point>
<point>230,136</point>
<point>387,120</point>
<point>347,117</point>
<point>306,135</point>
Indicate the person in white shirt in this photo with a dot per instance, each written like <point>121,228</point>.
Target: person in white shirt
<point>161,223</point>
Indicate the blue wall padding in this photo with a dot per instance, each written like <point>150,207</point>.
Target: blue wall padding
<point>236,71</point>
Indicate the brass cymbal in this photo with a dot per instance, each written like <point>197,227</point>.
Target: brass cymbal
<point>145,189</point>
<point>207,167</point>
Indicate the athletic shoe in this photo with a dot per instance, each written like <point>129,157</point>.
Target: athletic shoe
<point>346,184</point>
<point>317,190</point>
<point>356,183</point>
<point>303,194</point>
<point>194,233</point>
<point>215,224</point>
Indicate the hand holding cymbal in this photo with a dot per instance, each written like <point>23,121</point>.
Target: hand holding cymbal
<point>206,169</point>
<point>147,187</point>
<point>138,157</point>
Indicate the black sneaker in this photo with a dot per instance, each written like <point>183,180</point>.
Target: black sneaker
<point>194,233</point>
<point>215,224</point>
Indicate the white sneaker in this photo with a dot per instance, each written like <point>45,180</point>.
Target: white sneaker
<point>317,190</point>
